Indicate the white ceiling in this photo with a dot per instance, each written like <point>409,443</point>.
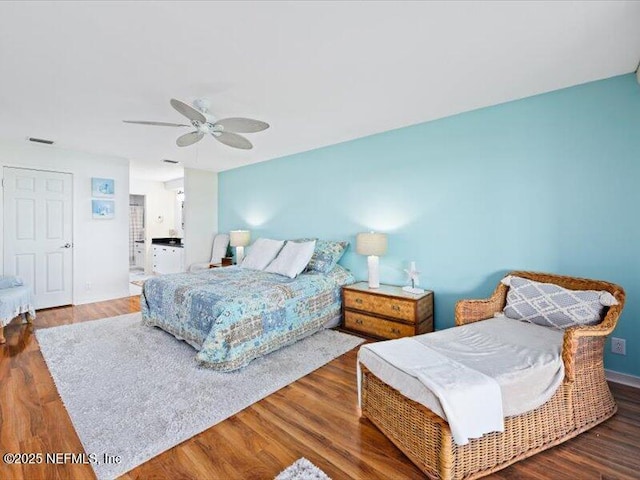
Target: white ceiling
<point>319,72</point>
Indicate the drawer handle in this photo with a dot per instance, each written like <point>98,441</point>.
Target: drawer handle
<point>395,307</point>
<point>358,300</point>
<point>359,321</point>
<point>396,331</point>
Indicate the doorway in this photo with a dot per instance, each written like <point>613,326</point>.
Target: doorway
<point>38,233</point>
<point>136,233</point>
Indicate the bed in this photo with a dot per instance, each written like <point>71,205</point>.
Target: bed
<point>233,315</point>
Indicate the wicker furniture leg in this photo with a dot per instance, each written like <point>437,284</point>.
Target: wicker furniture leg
<point>26,316</point>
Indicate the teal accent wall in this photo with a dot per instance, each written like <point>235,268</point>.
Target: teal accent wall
<point>548,183</point>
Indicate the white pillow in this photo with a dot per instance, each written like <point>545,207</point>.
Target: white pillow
<point>261,253</point>
<point>292,259</point>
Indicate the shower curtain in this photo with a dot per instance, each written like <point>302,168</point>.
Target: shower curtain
<point>136,229</point>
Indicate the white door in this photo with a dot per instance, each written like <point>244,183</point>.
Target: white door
<point>38,233</point>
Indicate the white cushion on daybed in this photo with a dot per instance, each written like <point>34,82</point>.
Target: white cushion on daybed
<point>525,359</point>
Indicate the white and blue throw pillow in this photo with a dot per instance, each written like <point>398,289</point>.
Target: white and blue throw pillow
<point>8,281</point>
<point>551,305</point>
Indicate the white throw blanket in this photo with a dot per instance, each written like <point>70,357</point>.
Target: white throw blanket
<point>471,400</point>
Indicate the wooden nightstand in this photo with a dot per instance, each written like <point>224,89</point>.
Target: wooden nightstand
<point>226,262</point>
<point>386,312</point>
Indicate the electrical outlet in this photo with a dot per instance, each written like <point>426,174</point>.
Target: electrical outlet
<point>88,286</point>
<point>618,346</point>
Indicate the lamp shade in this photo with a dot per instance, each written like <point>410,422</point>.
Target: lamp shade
<point>239,238</point>
<point>371,243</point>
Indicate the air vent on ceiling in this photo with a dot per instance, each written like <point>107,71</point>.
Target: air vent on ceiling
<point>40,140</point>
<point>166,160</point>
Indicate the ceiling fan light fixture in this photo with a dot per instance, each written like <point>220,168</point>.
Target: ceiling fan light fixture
<point>204,128</point>
<point>202,104</point>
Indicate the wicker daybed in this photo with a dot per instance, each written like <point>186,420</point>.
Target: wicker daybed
<point>582,401</point>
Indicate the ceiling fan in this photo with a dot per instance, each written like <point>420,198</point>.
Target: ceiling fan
<point>225,130</point>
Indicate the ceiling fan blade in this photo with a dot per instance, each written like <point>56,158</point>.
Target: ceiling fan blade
<point>234,140</point>
<point>189,139</point>
<point>159,124</point>
<point>242,125</point>
<point>188,111</point>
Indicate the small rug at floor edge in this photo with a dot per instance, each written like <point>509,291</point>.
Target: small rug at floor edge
<point>133,391</point>
<point>302,469</point>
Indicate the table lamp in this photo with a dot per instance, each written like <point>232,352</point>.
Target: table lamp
<point>373,245</point>
<point>239,239</point>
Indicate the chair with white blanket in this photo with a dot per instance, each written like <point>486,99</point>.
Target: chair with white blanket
<point>218,251</point>
<point>15,299</point>
<point>522,371</point>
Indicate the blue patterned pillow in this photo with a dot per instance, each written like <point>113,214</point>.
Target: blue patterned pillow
<point>326,255</point>
<point>341,275</point>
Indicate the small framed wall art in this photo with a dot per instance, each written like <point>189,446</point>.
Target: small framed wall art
<point>102,187</point>
<point>103,209</point>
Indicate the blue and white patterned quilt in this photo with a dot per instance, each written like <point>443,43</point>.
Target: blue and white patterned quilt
<point>233,315</point>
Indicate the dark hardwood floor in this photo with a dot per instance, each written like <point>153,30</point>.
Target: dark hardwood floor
<point>315,417</point>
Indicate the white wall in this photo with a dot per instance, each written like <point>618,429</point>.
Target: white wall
<point>177,185</point>
<point>101,247</point>
<point>200,214</point>
<point>159,202</point>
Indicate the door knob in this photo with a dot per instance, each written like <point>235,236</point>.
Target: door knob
<point>66,245</point>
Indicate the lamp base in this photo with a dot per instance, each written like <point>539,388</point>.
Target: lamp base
<point>239,255</point>
<point>373,262</point>
<point>413,290</point>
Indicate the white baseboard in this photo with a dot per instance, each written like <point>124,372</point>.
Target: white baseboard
<point>623,378</point>
<point>101,296</point>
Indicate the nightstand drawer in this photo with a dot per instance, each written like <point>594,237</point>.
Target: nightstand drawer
<point>389,307</point>
<point>376,326</point>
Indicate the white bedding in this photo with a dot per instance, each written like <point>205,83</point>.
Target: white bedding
<point>524,359</point>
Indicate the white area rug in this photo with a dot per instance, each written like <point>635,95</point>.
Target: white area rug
<point>136,391</point>
<point>302,469</point>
